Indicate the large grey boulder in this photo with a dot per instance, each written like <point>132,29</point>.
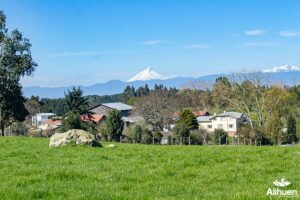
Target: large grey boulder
<point>73,137</point>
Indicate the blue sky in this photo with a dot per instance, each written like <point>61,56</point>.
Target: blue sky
<point>86,42</point>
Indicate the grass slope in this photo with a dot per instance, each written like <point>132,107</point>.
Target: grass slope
<point>30,170</point>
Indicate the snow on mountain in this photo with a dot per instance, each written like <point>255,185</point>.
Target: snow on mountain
<point>147,74</point>
<point>284,68</point>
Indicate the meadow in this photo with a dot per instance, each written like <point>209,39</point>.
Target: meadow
<point>31,170</point>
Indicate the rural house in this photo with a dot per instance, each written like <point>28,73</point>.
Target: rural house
<point>228,121</point>
<point>50,124</point>
<point>93,118</point>
<point>39,118</point>
<point>104,108</point>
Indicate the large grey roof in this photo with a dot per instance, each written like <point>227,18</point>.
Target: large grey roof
<point>132,119</point>
<point>235,115</point>
<point>118,106</point>
<point>204,118</point>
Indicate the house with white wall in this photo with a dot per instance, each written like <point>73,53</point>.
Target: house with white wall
<point>228,121</point>
<point>39,118</point>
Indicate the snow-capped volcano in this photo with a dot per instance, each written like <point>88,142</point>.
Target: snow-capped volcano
<point>145,75</point>
<point>284,68</point>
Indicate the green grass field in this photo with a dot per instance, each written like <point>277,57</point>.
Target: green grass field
<point>30,170</point>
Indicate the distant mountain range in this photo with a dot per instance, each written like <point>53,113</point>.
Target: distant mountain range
<point>288,75</point>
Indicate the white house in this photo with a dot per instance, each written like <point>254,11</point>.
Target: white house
<point>39,118</point>
<point>228,121</point>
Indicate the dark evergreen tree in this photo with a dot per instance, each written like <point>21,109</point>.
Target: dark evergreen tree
<point>291,129</point>
<point>75,102</point>
<point>187,117</point>
<point>114,125</point>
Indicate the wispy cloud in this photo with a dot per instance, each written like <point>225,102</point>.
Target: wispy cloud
<point>198,46</point>
<point>153,42</point>
<point>249,44</point>
<point>83,53</point>
<point>255,32</point>
<point>289,33</point>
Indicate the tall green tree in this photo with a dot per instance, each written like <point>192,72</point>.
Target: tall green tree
<point>75,101</point>
<point>291,129</point>
<point>15,62</point>
<point>187,117</point>
<point>77,105</point>
<point>114,125</point>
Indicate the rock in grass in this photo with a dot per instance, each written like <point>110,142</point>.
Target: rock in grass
<point>73,137</point>
<point>111,145</point>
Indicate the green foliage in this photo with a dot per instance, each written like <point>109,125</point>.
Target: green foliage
<point>199,136</point>
<point>273,129</point>
<point>291,129</point>
<point>75,102</point>
<point>114,125</point>
<point>181,130</point>
<point>219,136</point>
<point>15,63</point>
<point>19,128</point>
<point>138,133</point>
<point>56,106</point>
<point>157,136</point>
<point>187,117</point>
<point>72,121</point>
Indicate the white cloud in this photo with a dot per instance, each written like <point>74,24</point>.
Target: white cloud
<point>248,44</point>
<point>153,42</point>
<point>255,32</point>
<point>289,33</point>
<point>198,46</point>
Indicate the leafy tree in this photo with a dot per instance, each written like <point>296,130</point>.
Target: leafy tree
<point>72,121</point>
<point>128,92</point>
<point>181,130</point>
<point>75,102</point>
<point>33,105</point>
<point>114,125</point>
<point>155,108</point>
<point>291,129</point>
<point>220,136</point>
<point>187,117</point>
<point>15,62</point>
<point>273,129</point>
<point>199,136</point>
<point>138,133</point>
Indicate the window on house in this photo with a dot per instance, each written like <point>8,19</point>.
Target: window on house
<point>209,126</point>
<point>220,126</point>
<point>230,125</point>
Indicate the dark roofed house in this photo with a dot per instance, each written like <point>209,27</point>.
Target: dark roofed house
<point>105,108</point>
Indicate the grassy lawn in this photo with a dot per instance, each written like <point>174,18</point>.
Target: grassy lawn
<point>30,170</point>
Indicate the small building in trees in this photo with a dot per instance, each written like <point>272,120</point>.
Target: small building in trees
<point>39,118</point>
<point>50,124</point>
<point>228,121</point>
<point>93,118</point>
<point>105,108</point>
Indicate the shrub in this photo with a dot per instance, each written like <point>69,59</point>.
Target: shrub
<point>72,121</point>
<point>19,128</point>
<point>114,125</point>
<point>138,133</point>
<point>199,137</point>
<point>220,136</point>
<point>157,136</point>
